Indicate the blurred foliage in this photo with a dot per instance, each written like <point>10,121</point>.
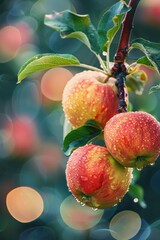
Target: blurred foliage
<point>31,125</point>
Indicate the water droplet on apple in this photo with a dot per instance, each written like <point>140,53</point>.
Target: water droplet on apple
<point>113,187</point>
<point>84,178</point>
<point>94,176</point>
<point>77,200</point>
<point>139,168</point>
<point>110,177</point>
<point>152,164</point>
<point>94,209</point>
<point>82,204</point>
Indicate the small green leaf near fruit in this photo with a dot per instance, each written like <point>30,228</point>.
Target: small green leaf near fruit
<point>151,51</point>
<point>44,62</point>
<point>81,136</point>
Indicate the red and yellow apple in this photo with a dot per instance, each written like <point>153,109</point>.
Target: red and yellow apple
<point>133,138</point>
<point>87,96</point>
<point>95,178</point>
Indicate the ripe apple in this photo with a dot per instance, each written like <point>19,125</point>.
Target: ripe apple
<point>86,96</point>
<point>133,138</point>
<point>95,178</point>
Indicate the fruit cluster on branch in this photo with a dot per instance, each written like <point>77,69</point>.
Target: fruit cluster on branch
<point>99,176</point>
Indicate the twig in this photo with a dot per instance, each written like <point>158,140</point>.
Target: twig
<point>119,68</point>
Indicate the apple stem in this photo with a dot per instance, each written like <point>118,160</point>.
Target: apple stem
<point>119,68</point>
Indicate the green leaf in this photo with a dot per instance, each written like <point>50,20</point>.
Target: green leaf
<point>137,193</point>
<point>154,89</point>
<point>151,51</point>
<point>145,61</point>
<point>46,61</point>
<point>72,25</point>
<point>110,23</point>
<point>135,82</point>
<point>81,136</point>
<point>136,176</point>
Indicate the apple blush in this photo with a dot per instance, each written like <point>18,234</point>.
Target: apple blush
<point>88,96</point>
<point>133,138</point>
<point>95,178</point>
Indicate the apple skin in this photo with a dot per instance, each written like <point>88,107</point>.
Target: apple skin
<point>95,178</point>
<point>86,97</point>
<point>133,138</point>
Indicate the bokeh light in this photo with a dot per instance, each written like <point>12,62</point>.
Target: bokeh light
<point>77,216</point>
<point>26,28</point>
<point>38,233</point>
<point>49,158</point>
<point>9,45</point>
<point>5,138</point>
<point>125,225</point>
<point>25,204</point>
<point>30,174</point>
<point>145,230</point>
<point>52,200</point>
<point>154,231</point>
<point>155,182</point>
<point>46,6</point>
<point>100,234</point>
<point>23,135</point>
<point>53,83</point>
<point>26,99</point>
<point>151,9</point>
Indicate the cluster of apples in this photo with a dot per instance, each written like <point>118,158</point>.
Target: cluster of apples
<point>99,176</point>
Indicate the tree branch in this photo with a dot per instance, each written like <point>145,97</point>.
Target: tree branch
<point>119,68</point>
<point>125,34</point>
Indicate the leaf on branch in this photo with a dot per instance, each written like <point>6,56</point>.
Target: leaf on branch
<point>46,61</point>
<point>81,136</point>
<point>145,61</point>
<point>72,25</point>
<point>154,89</point>
<point>110,23</point>
<point>151,51</point>
<point>135,81</point>
<point>137,193</point>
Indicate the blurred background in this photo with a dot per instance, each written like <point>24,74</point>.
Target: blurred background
<point>35,203</point>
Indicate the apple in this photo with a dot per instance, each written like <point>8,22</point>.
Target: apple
<point>95,178</point>
<point>87,96</point>
<point>133,138</point>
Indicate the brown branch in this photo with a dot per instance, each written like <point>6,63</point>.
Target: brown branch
<point>119,68</point>
<point>126,31</point>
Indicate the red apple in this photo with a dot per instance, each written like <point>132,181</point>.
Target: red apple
<point>95,178</point>
<point>133,138</point>
<point>87,96</point>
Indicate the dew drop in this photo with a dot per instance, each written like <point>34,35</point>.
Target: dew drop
<point>95,177</point>
<point>84,178</point>
<point>82,204</point>
<point>77,200</point>
<point>139,168</point>
<point>135,200</point>
<point>94,209</point>
<point>152,164</point>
